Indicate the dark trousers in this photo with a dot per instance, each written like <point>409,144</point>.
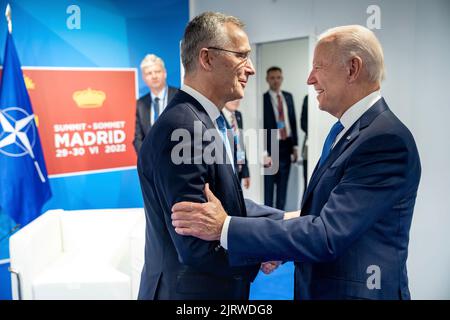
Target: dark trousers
<point>280,179</point>
<point>202,287</point>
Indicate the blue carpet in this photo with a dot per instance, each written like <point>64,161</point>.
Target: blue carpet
<point>279,285</point>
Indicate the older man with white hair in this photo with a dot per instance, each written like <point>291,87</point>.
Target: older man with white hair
<point>151,105</point>
<point>351,239</point>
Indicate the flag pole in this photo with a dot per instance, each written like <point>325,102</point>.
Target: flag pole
<point>8,17</point>
<point>17,226</point>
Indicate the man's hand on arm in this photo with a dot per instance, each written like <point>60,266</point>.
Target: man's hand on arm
<point>201,220</point>
<point>246,182</point>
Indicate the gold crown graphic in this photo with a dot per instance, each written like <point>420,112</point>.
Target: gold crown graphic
<point>29,84</point>
<point>89,98</point>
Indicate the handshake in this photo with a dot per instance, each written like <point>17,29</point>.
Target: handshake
<point>271,266</point>
<point>205,221</point>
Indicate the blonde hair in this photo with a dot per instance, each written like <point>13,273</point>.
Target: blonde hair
<point>356,40</point>
<point>152,59</point>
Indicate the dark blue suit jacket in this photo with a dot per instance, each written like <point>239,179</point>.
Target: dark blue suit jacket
<point>142,121</point>
<point>179,267</point>
<point>270,121</point>
<point>356,217</point>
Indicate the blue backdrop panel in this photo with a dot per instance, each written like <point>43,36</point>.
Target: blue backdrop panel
<point>112,33</point>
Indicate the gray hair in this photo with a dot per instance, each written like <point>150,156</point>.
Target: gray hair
<point>203,31</point>
<point>355,40</point>
<point>152,59</point>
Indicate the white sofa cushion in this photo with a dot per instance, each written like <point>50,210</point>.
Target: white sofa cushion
<point>85,254</point>
<point>74,276</point>
<point>33,248</point>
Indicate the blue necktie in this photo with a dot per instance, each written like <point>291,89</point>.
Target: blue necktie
<point>334,132</point>
<point>221,124</point>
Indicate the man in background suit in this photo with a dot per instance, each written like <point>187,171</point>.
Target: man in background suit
<point>279,114</point>
<point>151,105</point>
<point>215,54</point>
<point>351,240</point>
<point>234,120</point>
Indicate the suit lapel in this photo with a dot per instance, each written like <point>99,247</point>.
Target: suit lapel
<point>171,94</point>
<point>271,110</point>
<point>350,136</point>
<point>343,144</point>
<point>146,112</point>
<point>204,117</point>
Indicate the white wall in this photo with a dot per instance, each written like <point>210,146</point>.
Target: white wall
<point>292,56</point>
<point>414,35</point>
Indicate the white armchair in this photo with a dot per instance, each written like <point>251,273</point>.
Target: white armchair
<point>85,254</point>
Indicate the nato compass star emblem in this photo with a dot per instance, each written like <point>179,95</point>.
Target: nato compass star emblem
<point>18,135</point>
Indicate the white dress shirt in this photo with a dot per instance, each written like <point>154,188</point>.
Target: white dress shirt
<point>347,119</point>
<point>355,112</point>
<point>213,112</point>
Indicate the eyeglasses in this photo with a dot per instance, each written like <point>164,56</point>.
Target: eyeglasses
<point>241,55</point>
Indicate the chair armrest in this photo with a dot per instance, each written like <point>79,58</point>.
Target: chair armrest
<point>33,248</point>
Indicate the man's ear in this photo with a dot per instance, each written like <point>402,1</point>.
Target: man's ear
<point>205,59</point>
<point>354,68</point>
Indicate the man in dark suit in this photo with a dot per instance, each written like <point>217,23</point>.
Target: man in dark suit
<point>279,116</point>
<point>351,240</point>
<point>187,147</point>
<point>234,120</point>
<point>151,105</point>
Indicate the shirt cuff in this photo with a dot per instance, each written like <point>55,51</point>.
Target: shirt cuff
<point>224,234</point>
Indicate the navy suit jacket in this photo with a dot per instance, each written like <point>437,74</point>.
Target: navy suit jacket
<point>356,217</point>
<point>270,121</point>
<point>143,125</point>
<point>181,267</point>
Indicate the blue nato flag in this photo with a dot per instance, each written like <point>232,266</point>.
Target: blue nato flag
<point>24,185</point>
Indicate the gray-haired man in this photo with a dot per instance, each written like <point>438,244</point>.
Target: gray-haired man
<point>151,105</point>
<point>215,54</point>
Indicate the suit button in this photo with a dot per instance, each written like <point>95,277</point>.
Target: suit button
<point>217,249</point>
